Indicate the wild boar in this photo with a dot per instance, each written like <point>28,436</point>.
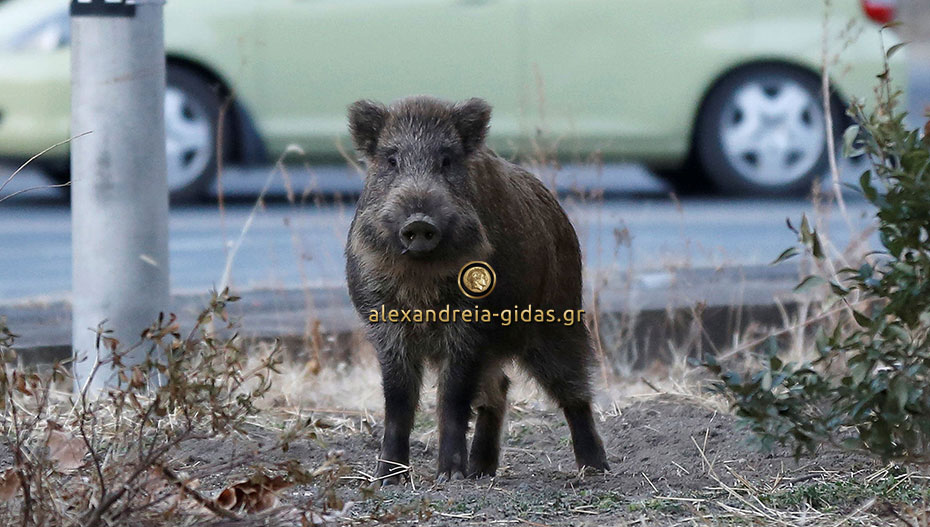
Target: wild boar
<point>435,199</point>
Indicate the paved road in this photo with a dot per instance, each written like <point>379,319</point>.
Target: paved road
<point>293,245</point>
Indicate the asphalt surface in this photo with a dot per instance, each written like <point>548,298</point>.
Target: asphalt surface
<point>301,244</point>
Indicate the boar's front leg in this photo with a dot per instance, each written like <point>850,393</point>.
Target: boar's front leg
<point>491,406</point>
<point>458,385</point>
<point>401,382</point>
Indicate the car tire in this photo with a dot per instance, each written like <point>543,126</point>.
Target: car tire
<point>192,114</point>
<point>761,132</point>
<point>59,172</point>
<point>195,101</point>
<point>688,179</point>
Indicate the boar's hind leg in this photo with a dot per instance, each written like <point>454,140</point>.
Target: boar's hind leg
<point>561,367</point>
<point>589,450</point>
<point>401,383</point>
<point>457,389</point>
<point>485,446</point>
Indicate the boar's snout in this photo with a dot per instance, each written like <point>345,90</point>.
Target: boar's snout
<point>419,234</point>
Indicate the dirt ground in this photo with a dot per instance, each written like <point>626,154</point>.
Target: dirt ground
<point>673,462</point>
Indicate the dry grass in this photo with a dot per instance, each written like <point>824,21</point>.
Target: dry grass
<point>75,457</point>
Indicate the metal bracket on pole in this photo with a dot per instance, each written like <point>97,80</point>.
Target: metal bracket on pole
<point>118,8</point>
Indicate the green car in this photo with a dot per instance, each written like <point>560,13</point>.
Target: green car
<point>730,87</point>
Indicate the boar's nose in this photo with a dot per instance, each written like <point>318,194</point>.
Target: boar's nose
<point>419,234</point>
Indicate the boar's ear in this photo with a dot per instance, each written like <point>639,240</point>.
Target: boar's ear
<point>366,119</point>
<point>471,120</point>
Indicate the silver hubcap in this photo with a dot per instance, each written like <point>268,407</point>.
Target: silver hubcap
<point>189,138</point>
<point>773,131</point>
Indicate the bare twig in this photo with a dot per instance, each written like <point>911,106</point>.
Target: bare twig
<point>230,258</point>
<point>40,154</point>
<point>30,189</point>
<point>31,159</point>
<point>827,62</point>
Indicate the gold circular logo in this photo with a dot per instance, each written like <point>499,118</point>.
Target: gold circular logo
<point>477,279</point>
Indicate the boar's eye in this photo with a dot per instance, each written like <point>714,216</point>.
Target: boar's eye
<point>392,161</point>
<point>445,161</point>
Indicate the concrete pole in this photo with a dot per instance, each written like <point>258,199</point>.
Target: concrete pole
<point>119,190</point>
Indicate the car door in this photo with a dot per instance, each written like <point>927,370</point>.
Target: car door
<point>318,56</point>
<point>621,77</point>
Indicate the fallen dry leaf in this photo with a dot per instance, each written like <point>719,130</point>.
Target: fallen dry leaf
<point>9,484</point>
<point>138,378</point>
<point>250,496</point>
<point>19,383</point>
<point>65,449</point>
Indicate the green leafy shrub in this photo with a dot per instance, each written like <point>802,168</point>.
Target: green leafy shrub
<point>867,388</point>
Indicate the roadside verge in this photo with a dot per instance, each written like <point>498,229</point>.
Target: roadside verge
<point>704,307</point>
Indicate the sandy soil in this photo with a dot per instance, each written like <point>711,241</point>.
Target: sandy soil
<point>671,460</point>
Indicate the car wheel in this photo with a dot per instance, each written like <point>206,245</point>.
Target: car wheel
<point>192,112</point>
<point>762,132</point>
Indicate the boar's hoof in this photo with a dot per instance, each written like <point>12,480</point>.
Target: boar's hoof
<point>594,467</point>
<point>390,475</point>
<point>388,481</point>
<point>482,469</point>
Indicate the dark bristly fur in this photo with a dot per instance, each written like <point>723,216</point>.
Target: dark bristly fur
<point>426,157</point>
